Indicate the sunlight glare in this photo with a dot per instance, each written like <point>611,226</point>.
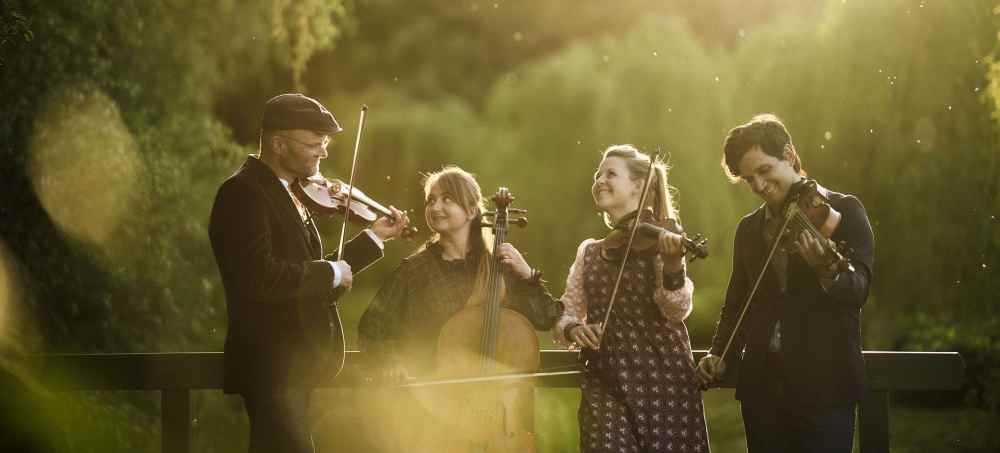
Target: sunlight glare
<point>7,292</point>
<point>84,164</point>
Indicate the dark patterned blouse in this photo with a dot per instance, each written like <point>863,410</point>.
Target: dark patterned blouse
<point>403,320</point>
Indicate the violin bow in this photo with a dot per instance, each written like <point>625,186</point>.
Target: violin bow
<point>350,183</point>
<point>490,378</point>
<point>628,247</point>
<point>756,284</point>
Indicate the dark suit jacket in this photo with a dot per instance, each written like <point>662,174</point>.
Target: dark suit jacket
<point>269,261</point>
<point>820,329</point>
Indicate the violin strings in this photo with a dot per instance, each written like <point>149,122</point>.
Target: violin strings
<point>805,224</point>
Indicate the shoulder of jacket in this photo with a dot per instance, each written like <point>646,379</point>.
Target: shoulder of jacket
<point>241,180</point>
<point>844,200</point>
<point>750,217</point>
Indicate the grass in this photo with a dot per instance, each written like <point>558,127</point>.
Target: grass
<point>110,421</point>
<point>912,429</point>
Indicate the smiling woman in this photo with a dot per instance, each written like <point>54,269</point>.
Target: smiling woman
<point>637,380</point>
<point>414,327</point>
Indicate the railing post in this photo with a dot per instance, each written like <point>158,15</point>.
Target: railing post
<point>874,422</point>
<point>175,424</point>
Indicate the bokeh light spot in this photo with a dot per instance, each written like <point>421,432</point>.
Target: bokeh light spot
<point>84,164</point>
<point>6,298</point>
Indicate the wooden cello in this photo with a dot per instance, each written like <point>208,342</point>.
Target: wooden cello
<point>486,339</point>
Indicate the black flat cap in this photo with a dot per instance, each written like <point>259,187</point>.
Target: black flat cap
<point>297,111</point>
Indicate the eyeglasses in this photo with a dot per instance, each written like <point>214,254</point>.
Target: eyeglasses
<point>326,141</point>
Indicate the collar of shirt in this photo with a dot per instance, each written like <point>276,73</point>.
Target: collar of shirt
<point>303,212</point>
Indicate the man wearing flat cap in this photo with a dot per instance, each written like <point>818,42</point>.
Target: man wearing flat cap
<point>271,261</point>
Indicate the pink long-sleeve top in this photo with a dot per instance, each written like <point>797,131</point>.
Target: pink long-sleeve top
<point>674,305</point>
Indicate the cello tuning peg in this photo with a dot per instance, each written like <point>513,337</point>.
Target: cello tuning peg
<point>490,214</point>
<point>517,211</point>
<point>520,221</point>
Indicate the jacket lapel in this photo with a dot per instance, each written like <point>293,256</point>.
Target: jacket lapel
<point>279,197</point>
<point>315,243</point>
<point>757,254</point>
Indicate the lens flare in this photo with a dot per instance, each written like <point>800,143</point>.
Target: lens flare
<point>7,292</point>
<point>84,162</point>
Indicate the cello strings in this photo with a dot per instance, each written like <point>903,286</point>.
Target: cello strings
<point>493,302</point>
<point>491,312</point>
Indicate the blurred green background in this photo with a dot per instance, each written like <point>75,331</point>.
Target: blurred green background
<point>120,119</point>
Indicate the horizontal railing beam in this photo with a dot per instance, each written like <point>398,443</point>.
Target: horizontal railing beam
<point>175,374</point>
<point>886,370</point>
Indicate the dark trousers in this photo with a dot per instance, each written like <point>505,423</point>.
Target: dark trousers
<point>777,426</point>
<point>278,421</point>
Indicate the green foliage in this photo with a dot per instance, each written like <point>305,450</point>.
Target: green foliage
<point>305,27</point>
<point>163,88</point>
<point>14,30</point>
<point>884,101</point>
<point>88,80</point>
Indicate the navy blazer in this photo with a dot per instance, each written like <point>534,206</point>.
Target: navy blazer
<point>270,261</point>
<point>820,328</point>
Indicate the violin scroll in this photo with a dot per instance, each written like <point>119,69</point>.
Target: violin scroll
<point>814,205</point>
<point>808,211</point>
<point>697,246</point>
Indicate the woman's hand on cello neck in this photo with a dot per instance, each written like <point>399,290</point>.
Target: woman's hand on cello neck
<point>513,261</point>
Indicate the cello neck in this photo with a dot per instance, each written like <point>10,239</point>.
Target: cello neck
<point>494,288</point>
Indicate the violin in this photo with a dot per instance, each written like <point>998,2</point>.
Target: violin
<point>623,241</point>
<point>806,210</point>
<point>647,238</point>
<point>321,323</point>
<point>329,196</point>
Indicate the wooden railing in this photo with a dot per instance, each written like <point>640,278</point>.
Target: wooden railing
<point>175,374</point>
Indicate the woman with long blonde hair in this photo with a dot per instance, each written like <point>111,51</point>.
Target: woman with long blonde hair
<point>638,382</point>
<point>399,330</point>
